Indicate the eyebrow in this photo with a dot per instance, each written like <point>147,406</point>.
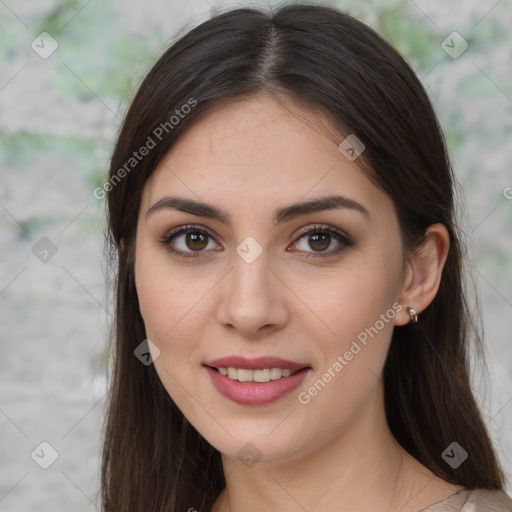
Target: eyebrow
<point>333,202</point>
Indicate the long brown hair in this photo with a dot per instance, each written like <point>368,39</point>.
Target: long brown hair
<point>153,459</point>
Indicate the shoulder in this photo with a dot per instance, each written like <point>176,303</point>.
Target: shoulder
<point>476,500</point>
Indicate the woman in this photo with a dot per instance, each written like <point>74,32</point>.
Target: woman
<point>291,328</point>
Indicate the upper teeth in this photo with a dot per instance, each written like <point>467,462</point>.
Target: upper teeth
<point>263,375</point>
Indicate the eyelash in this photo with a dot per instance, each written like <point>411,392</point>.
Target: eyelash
<point>316,229</point>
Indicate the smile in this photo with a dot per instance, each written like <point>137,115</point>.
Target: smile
<point>255,381</point>
<point>260,375</point>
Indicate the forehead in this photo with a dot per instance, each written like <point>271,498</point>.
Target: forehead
<point>257,151</point>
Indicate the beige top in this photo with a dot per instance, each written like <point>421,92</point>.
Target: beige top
<point>477,500</point>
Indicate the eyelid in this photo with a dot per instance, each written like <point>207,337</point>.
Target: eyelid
<point>321,227</point>
<point>343,239</point>
<point>165,240</point>
<point>187,228</point>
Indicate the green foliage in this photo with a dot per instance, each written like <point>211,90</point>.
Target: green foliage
<point>411,35</point>
<point>97,55</point>
<point>22,148</point>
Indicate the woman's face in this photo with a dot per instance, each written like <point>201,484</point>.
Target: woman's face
<point>258,277</point>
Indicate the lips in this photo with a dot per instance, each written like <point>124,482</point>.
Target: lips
<point>256,393</point>
<point>258,363</point>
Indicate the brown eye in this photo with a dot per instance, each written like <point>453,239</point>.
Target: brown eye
<point>320,239</point>
<point>196,240</point>
<point>188,241</point>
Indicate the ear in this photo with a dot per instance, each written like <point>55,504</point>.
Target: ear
<point>423,272</point>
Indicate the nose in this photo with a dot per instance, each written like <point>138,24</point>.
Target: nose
<point>253,300</point>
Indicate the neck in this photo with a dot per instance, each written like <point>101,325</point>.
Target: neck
<point>362,468</point>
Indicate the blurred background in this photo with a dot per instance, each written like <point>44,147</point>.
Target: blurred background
<point>68,69</point>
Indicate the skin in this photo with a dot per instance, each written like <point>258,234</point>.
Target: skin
<point>257,155</point>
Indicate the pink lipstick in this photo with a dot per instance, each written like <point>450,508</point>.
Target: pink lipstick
<point>255,381</point>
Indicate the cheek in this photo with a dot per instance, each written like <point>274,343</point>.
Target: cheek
<point>352,299</point>
<point>360,312</point>
<point>167,298</point>
<point>176,303</point>
<point>174,317</point>
<point>360,321</point>
<point>172,308</point>
<point>356,307</point>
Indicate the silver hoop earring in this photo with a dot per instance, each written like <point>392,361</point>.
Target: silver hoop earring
<point>412,314</point>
